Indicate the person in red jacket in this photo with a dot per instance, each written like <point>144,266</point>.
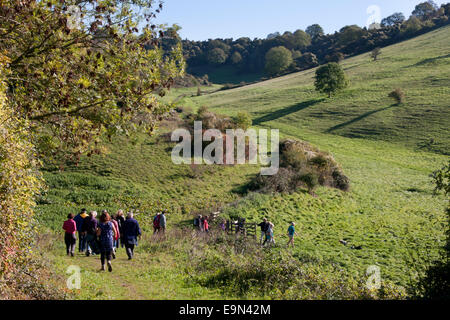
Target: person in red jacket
<point>116,237</point>
<point>70,227</point>
<point>205,224</point>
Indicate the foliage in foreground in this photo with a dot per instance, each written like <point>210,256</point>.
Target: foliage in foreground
<point>79,80</point>
<point>20,272</point>
<point>240,267</point>
<point>69,84</point>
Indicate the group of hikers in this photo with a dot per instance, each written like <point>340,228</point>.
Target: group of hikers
<point>201,223</point>
<point>267,235</point>
<point>108,233</point>
<point>103,236</point>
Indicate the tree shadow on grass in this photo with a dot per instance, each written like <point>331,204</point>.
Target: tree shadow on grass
<point>286,111</point>
<point>361,117</point>
<point>430,61</point>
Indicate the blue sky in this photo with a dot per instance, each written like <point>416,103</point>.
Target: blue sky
<point>205,19</point>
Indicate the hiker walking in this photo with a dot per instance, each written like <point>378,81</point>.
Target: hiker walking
<point>116,236</point>
<point>106,233</point>
<point>131,231</point>
<point>70,227</point>
<point>198,222</point>
<point>264,226</point>
<point>291,234</point>
<point>120,221</point>
<point>205,224</point>
<point>90,230</point>
<point>162,222</point>
<point>79,219</point>
<point>269,234</point>
<point>156,223</point>
<point>272,236</point>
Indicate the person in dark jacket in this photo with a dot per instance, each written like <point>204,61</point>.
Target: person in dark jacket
<point>198,223</point>
<point>106,233</point>
<point>90,230</point>
<point>131,231</point>
<point>264,227</point>
<point>79,219</point>
<point>120,221</point>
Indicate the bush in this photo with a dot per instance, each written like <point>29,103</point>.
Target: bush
<point>301,165</point>
<point>243,120</point>
<point>375,53</point>
<point>398,95</point>
<point>202,111</point>
<point>310,180</point>
<point>341,181</point>
<point>319,161</point>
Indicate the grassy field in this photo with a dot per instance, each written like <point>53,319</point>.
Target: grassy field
<point>385,150</point>
<point>421,67</point>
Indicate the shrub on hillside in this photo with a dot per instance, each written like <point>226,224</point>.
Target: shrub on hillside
<point>375,53</point>
<point>285,181</point>
<point>309,179</point>
<point>243,120</point>
<point>302,165</point>
<point>398,95</point>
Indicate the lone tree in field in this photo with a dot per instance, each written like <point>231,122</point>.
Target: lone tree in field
<point>375,53</point>
<point>330,78</point>
<point>278,59</point>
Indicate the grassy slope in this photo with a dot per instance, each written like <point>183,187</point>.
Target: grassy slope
<point>419,66</point>
<point>390,211</point>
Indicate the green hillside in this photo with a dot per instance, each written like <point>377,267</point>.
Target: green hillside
<point>421,67</point>
<point>384,149</point>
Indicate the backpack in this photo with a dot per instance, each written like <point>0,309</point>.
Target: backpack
<point>156,221</point>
